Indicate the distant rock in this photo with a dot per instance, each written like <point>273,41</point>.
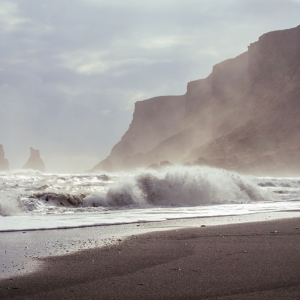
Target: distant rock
<point>35,162</point>
<point>162,164</point>
<point>154,167</point>
<point>165,163</point>
<point>4,165</point>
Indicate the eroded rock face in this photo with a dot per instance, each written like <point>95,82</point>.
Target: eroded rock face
<point>35,162</point>
<point>244,116</point>
<point>268,140</point>
<point>154,120</point>
<point>4,165</point>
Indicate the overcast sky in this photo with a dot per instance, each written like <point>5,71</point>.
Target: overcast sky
<point>71,70</point>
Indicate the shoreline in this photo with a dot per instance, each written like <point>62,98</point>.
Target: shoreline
<point>216,220</point>
<point>258,260</point>
<point>24,251</point>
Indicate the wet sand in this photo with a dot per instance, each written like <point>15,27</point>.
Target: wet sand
<point>258,260</point>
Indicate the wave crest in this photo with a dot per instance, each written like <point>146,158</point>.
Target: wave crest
<point>178,186</point>
<point>173,186</point>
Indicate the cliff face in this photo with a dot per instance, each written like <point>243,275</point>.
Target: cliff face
<point>243,116</point>
<point>154,120</point>
<point>4,165</point>
<point>269,143</point>
<point>35,162</point>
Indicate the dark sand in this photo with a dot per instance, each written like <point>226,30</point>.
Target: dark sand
<point>240,261</point>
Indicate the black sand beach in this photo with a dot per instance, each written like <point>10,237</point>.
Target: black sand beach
<point>242,261</point>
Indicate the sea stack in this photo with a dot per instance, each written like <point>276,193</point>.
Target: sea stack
<point>35,162</point>
<point>4,165</point>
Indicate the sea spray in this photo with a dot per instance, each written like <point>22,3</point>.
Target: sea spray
<point>45,193</point>
<point>32,200</point>
<point>179,186</point>
<point>9,204</point>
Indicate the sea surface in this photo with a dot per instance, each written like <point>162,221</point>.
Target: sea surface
<point>31,200</point>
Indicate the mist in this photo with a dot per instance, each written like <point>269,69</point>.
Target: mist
<point>71,71</point>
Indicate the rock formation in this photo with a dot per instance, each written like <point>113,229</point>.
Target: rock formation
<point>35,162</point>
<point>4,165</point>
<point>268,140</point>
<point>154,120</point>
<point>244,116</point>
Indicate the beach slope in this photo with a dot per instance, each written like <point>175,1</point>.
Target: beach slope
<point>241,261</point>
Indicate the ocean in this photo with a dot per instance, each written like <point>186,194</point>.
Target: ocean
<point>31,200</point>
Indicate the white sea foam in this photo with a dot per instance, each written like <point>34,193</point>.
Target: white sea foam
<point>34,200</point>
<point>9,204</point>
<point>180,186</point>
<point>32,191</point>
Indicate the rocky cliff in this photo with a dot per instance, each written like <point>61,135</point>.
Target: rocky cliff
<point>213,107</point>
<point>244,116</point>
<point>269,142</point>
<point>4,165</point>
<point>35,162</point>
<point>154,120</point>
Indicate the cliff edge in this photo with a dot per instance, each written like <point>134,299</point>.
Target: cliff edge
<point>268,142</point>
<point>154,120</point>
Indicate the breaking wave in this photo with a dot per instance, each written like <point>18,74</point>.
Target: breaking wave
<point>174,186</point>
<point>178,186</point>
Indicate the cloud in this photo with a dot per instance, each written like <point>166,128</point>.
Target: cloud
<point>160,42</point>
<point>86,62</point>
<point>9,16</point>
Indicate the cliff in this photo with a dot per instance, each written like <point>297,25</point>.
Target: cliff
<point>213,107</point>
<point>154,120</point>
<point>244,116</point>
<point>35,162</point>
<point>268,143</point>
<point>4,165</point>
